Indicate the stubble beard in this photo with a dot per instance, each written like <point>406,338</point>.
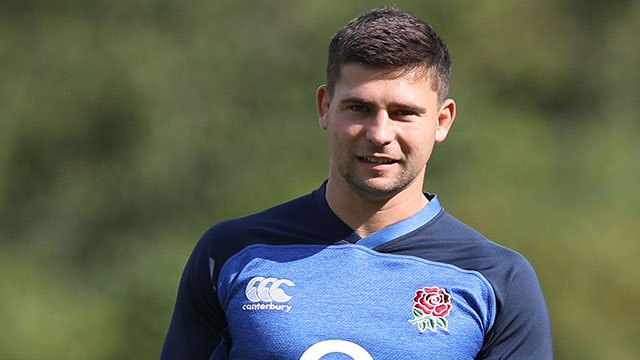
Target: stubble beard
<point>378,187</point>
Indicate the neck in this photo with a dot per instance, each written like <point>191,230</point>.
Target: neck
<point>368,214</point>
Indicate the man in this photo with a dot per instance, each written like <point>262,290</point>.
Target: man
<point>367,266</point>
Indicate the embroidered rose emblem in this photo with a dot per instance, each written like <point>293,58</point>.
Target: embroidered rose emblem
<point>433,300</point>
<point>431,305</point>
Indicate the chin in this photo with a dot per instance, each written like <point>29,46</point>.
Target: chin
<point>376,189</point>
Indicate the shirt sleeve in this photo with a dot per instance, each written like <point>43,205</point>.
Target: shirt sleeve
<point>198,321</point>
<point>522,328</point>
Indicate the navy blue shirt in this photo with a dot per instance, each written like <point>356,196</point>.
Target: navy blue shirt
<point>295,282</point>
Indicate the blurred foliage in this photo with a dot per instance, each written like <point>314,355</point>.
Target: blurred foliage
<point>129,127</point>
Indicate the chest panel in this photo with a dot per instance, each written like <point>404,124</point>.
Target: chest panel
<point>280,301</point>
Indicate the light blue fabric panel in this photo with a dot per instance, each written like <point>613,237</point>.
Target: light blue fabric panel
<point>312,294</point>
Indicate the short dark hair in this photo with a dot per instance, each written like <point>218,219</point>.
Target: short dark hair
<point>394,39</point>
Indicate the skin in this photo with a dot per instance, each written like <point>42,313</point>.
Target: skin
<point>381,127</point>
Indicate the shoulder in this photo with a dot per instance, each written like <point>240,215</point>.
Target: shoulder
<point>479,251</point>
<point>303,220</point>
<point>465,247</point>
<point>230,236</point>
<point>448,240</point>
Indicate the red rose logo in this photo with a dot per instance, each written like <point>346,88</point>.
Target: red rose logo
<point>433,300</point>
<point>431,305</point>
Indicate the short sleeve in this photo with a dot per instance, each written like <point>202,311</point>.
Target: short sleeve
<point>198,321</point>
<point>522,329</point>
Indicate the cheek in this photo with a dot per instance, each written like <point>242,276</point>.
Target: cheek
<point>338,142</point>
<point>420,141</point>
<point>343,133</point>
<point>418,147</point>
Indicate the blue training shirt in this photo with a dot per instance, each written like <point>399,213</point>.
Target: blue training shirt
<point>295,282</point>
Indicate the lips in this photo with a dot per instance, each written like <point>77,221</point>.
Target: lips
<point>377,160</point>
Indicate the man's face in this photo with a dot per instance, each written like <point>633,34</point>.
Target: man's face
<point>381,128</point>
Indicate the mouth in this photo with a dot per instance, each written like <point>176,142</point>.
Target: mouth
<point>376,160</point>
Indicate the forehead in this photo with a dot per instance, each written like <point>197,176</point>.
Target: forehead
<point>369,81</point>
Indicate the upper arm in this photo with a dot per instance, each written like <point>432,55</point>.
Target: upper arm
<point>198,321</point>
<point>522,329</point>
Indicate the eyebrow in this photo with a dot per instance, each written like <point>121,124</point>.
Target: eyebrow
<point>401,106</point>
<point>355,100</point>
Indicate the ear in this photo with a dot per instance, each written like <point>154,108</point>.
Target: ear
<point>323,101</point>
<point>445,119</point>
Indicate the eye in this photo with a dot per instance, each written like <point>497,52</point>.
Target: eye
<point>358,108</point>
<point>402,113</point>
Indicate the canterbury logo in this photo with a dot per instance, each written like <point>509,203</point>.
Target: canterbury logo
<point>267,289</point>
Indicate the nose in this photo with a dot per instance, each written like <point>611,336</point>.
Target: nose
<point>380,129</point>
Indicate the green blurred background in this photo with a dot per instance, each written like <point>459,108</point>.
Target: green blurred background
<point>127,128</point>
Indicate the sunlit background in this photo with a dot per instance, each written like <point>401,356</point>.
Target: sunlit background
<point>127,128</point>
